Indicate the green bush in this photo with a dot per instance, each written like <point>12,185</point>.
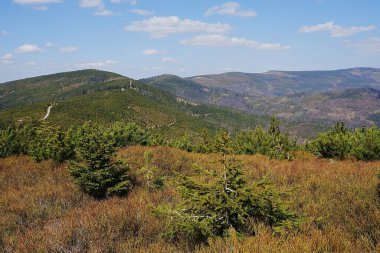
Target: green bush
<point>183,143</point>
<point>342,143</point>
<point>366,144</point>
<point>336,143</point>
<point>15,140</point>
<point>156,140</point>
<point>52,142</point>
<point>212,209</point>
<point>130,133</point>
<point>204,146</point>
<point>225,201</point>
<point>96,173</point>
<point>272,143</point>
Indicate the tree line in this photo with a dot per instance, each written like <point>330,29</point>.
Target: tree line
<point>43,141</point>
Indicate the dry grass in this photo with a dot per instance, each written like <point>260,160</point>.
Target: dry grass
<point>42,211</point>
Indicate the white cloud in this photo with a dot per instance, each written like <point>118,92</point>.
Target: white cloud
<point>90,3</point>
<point>369,45</point>
<point>99,5</point>
<point>68,49</point>
<point>103,11</point>
<point>96,64</point>
<point>336,30</point>
<point>169,59</point>
<point>39,5</point>
<point>159,27</point>
<point>231,9</point>
<point>36,2</point>
<point>150,52</point>
<point>7,57</point>
<point>216,40</point>
<point>28,48</point>
<point>142,12</point>
<point>131,2</point>
<point>4,33</point>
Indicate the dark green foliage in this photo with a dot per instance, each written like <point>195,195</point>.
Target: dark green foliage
<point>15,139</point>
<point>366,144</point>
<point>205,144</point>
<point>342,143</point>
<point>222,143</point>
<point>156,140</point>
<point>96,173</point>
<point>183,143</point>
<point>52,142</point>
<point>95,145</point>
<point>130,133</point>
<point>45,141</point>
<point>159,182</point>
<point>336,143</point>
<point>226,201</point>
<point>55,86</point>
<point>272,143</point>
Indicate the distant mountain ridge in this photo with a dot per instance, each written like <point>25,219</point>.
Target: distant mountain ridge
<point>282,83</point>
<point>306,101</point>
<point>311,99</point>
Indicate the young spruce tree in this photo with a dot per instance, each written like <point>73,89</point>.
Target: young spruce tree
<point>97,173</point>
<point>224,201</point>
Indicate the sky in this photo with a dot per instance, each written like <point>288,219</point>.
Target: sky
<point>143,38</point>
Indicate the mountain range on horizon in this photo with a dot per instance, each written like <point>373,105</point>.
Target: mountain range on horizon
<point>306,101</point>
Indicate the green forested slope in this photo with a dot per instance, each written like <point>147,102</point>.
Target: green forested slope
<point>54,87</point>
<point>114,100</point>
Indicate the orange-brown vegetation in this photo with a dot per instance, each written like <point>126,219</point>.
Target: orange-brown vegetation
<point>41,210</point>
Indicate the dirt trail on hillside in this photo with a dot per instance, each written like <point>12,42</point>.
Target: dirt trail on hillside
<point>48,112</point>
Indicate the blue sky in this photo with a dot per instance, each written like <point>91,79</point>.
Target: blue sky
<point>142,38</point>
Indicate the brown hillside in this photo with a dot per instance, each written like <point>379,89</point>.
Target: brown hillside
<point>42,211</point>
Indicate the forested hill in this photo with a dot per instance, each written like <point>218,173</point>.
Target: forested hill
<point>55,87</point>
<point>307,102</point>
<point>104,97</point>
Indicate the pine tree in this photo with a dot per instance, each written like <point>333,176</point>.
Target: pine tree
<point>225,201</point>
<point>96,173</point>
<point>52,142</point>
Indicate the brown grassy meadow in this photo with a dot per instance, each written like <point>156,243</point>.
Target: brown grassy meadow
<point>41,210</point>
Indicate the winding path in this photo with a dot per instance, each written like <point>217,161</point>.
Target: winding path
<point>48,112</point>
